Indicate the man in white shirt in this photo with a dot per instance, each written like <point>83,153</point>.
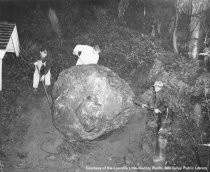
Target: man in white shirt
<point>46,61</point>
<point>87,54</point>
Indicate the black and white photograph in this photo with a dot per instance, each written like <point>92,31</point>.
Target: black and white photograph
<point>104,85</point>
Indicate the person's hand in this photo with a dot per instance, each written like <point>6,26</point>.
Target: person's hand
<point>77,53</point>
<point>74,53</point>
<point>34,63</point>
<point>31,63</point>
<point>157,111</point>
<point>42,78</point>
<point>143,105</point>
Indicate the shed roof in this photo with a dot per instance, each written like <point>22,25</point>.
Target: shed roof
<point>9,41</point>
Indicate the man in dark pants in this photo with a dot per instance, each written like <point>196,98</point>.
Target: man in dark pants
<point>157,101</point>
<point>162,121</point>
<point>46,62</point>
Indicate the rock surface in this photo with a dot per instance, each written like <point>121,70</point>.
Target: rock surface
<point>89,101</point>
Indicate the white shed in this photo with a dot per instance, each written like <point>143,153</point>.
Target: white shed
<point>9,42</point>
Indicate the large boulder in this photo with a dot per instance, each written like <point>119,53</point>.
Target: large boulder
<point>89,101</point>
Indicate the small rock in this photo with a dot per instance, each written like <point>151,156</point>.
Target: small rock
<point>197,115</point>
<point>51,158</point>
<point>152,124</point>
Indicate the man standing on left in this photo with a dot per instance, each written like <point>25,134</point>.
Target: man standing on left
<point>42,67</point>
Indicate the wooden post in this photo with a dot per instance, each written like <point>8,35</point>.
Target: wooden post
<point>0,74</point>
<point>0,85</point>
<point>0,104</point>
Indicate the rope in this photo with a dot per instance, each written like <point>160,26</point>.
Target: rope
<point>47,95</point>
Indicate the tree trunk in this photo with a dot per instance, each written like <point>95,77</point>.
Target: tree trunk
<point>196,34</point>
<point>159,25</point>
<point>176,50</point>
<point>196,9</point>
<point>196,27</point>
<point>54,22</point>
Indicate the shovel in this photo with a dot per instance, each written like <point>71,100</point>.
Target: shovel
<point>45,90</point>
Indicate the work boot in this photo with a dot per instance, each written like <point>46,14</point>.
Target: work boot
<point>159,160</point>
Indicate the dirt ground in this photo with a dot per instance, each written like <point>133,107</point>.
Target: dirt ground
<point>33,144</point>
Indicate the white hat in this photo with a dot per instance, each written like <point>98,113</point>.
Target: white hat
<point>158,84</point>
